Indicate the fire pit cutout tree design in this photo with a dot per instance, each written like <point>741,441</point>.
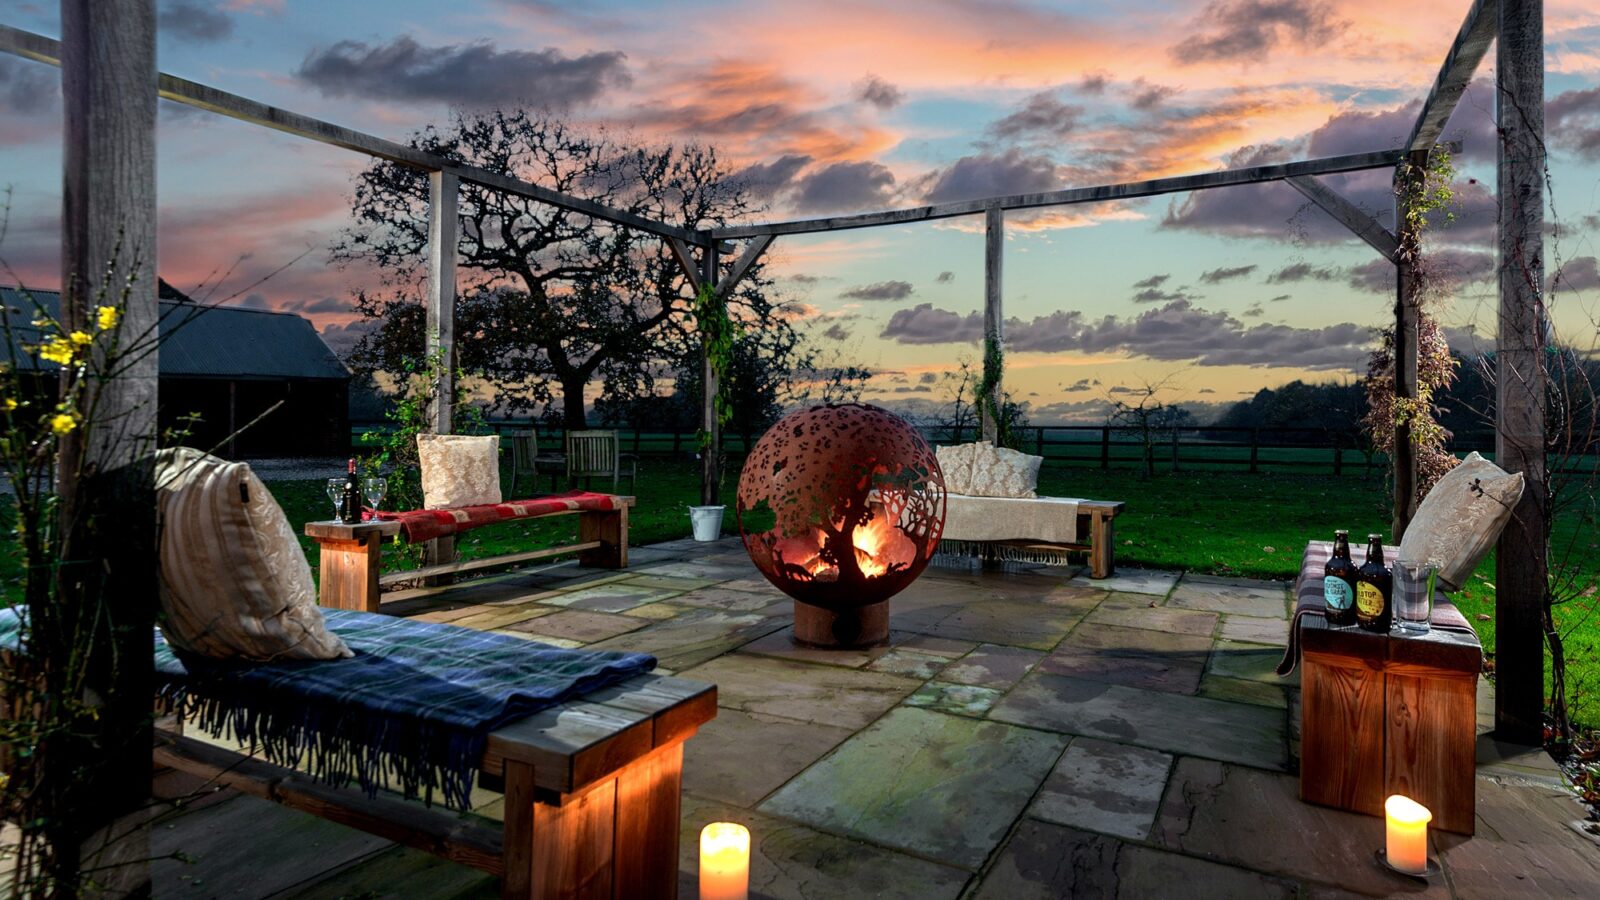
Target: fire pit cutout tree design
<point>841,507</point>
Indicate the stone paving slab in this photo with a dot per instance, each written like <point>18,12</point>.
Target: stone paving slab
<point>723,598</point>
<point>502,616</point>
<point>1262,602</point>
<point>1249,662</point>
<point>789,861</point>
<point>1254,630</point>
<point>1219,687</point>
<point>1115,640</point>
<point>1134,581</point>
<point>910,663</point>
<point>580,625</point>
<point>1524,846</point>
<point>672,583</point>
<point>802,691</point>
<point>1214,729</point>
<point>1250,818</point>
<point>781,643</point>
<point>612,596</point>
<point>956,699</point>
<point>659,610</point>
<point>1043,861</point>
<point>1105,787</point>
<point>694,637</point>
<point>992,666</point>
<point>697,569</point>
<point>942,786</point>
<point>1173,676</point>
<point>1144,611</point>
<point>741,757</point>
<point>1015,623</point>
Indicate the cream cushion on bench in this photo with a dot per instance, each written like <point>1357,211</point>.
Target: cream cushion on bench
<point>459,470</point>
<point>1460,519</point>
<point>234,582</point>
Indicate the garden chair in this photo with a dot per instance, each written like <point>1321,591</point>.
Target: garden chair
<point>592,453</point>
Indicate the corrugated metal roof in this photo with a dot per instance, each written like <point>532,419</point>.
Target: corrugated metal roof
<point>200,341</point>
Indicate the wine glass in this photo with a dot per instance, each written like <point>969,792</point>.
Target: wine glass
<point>372,489</point>
<point>336,494</point>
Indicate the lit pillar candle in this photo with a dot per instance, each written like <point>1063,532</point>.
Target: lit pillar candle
<point>724,862</point>
<point>1407,847</point>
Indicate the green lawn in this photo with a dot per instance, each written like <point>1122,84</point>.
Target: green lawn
<point>1220,522</point>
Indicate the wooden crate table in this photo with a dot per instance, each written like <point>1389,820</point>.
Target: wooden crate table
<point>1385,714</point>
<point>591,789</point>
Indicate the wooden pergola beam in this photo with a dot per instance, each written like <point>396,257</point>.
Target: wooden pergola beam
<point>1354,162</point>
<point>1470,46</point>
<point>686,262</point>
<point>1347,214</point>
<point>742,265</point>
<point>39,48</point>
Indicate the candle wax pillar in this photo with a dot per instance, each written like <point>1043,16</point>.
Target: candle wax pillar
<point>1407,833</point>
<point>724,862</point>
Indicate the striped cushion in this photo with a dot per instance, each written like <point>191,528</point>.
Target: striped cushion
<point>234,582</point>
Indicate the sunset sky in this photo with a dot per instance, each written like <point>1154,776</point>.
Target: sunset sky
<point>849,106</point>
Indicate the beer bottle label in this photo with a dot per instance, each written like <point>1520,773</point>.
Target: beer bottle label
<point>1336,593</point>
<point>1369,600</point>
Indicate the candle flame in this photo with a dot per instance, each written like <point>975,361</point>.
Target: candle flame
<point>1405,810</point>
<point>724,837</point>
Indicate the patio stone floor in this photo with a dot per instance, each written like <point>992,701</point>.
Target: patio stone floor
<point>1025,733</point>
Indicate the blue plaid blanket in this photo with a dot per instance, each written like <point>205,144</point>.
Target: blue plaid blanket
<point>412,709</point>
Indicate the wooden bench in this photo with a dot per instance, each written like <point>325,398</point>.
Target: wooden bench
<point>1391,713</point>
<point>1096,519</point>
<point>591,790</point>
<point>350,555</point>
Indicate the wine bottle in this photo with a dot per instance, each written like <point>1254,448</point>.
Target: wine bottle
<point>350,503</point>
<point>1374,588</point>
<point>1339,582</point>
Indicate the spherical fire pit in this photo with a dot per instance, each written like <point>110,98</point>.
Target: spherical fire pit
<point>841,507</point>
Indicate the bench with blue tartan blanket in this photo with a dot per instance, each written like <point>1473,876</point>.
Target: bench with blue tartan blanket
<point>424,707</point>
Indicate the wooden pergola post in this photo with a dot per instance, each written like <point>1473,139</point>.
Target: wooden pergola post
<point>1409,180</point>
<point>711,453</point>
<point>1521,570</point>
<point>994,240</point>
<point>108,252</point>
<point>444,190</point>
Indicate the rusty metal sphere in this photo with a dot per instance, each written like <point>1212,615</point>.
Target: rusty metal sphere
<point>841,506</point>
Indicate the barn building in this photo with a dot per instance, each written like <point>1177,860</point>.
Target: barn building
<point>225,367</point>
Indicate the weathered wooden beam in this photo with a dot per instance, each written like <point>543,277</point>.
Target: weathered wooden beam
<point>443,237</point>
<point>711,448</point>
<point>1347,214</point>
<point>106,584</point>
<point>42,49</point>
<point>685,259</point>
<point>1355,162</point>
<point>994,248</point>
<point>1460,63</point>
<point>1522,556</point>
<point>741,266</point>
<point>1409,181</point>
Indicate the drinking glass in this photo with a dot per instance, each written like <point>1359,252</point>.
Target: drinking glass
<point>372,489</point>
<point>1414,582</point>
<point>336,493</point>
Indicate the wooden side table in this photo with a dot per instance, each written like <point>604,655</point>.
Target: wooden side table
<point>348,564</point>
<point>1389,714</point>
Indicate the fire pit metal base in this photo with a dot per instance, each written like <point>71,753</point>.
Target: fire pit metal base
<point>853,627</point>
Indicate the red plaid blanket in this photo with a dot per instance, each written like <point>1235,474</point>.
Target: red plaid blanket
<point>426,524</point>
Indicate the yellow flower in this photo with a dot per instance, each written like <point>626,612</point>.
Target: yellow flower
<point>108,317</point>
<point>81,338</point>
<point>62,423</point>
<point>9,404</point>
<point>58,350</point>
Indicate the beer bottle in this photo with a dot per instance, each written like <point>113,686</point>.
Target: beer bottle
<point>1374,587</point>
<point>1339,582</point>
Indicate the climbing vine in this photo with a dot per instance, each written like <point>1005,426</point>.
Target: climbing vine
<point>718,334</point>
<point>990,403</point>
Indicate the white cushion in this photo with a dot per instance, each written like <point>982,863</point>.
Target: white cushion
<point>955,463</point>
<point>459,470</point>
<point>999,472</point>
<point>234,582</point>
<point>1461,518</point>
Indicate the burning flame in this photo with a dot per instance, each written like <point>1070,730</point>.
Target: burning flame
<point>874,541</point>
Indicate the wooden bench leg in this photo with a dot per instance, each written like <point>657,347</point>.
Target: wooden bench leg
<point>1102,546</point>
<point>349,572</point>
<point>610,527</point>
<point>615,838</point>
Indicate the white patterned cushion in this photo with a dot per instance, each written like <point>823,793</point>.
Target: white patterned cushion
<point>999,472</point>
<point>1461,518</point>
<point>234,582</point>
<point>459,469</point>
<point>955,463</point>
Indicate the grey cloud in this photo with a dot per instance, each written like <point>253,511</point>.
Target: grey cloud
<point>1450,267</point>
<point>1041,115</point>
<point>1249,30</point>
<point>193,21</point>
<point>1279,299</point>
<point>341,339</point>
<point>27,87</point>
<point>1094,82</point>
<point>1082,384</point>
<point>991,175</point>
<point>1094,410</point>
<point>924,324</point>
<point>1573,118</point>
<point>474,74</point>
<point>1301,271</point>
<point>1157,295</point>
<point>763,180</point>
<point>1217,276</point>
<point>882,290</point>
<point>1578,274</point>
<point>945,277</point>
<point>1149,96</point>
<point>844,186</point>
<point>879,93</point>
<point>1045,334</point>
<point>1254,311</point>
<point>927,378</point>
<point>836,332</point>
<point>1152,281</point>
